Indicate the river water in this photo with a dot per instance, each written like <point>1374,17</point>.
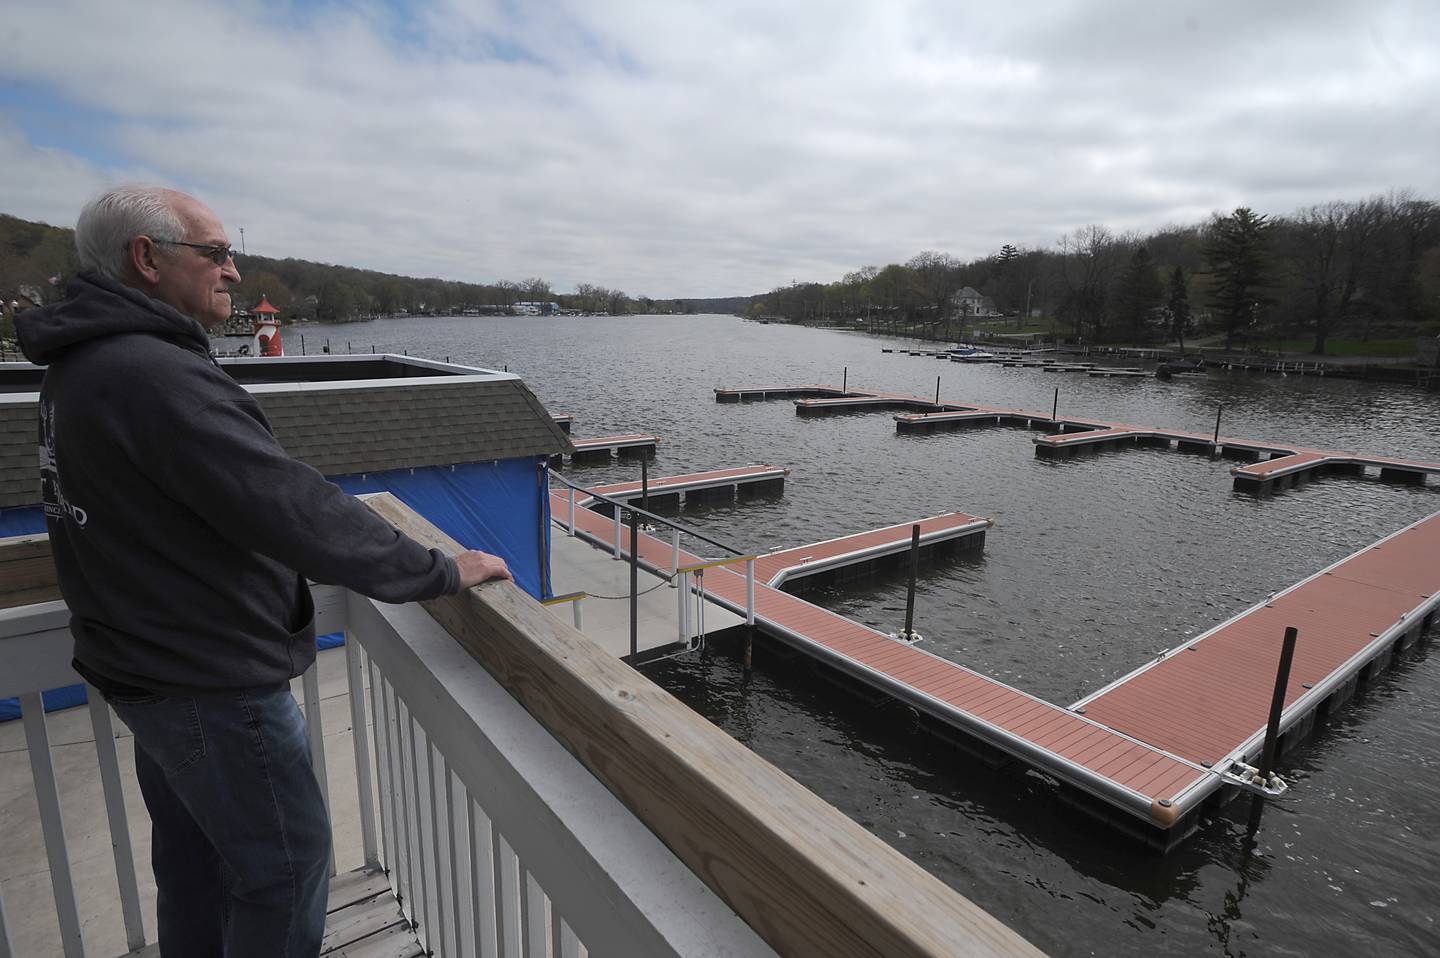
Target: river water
<point>1094,565</point>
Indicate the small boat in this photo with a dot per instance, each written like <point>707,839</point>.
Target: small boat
<point>1184,364</point>
<point>964,351</point>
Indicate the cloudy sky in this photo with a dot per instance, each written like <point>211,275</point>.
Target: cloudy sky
<point>714,147</point>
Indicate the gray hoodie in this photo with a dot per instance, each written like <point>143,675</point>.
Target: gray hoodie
<point>182,531</point>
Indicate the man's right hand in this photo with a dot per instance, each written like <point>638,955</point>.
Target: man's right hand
<point>477,567</point>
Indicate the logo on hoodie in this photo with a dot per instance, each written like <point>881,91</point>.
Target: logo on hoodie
<point>51,493</point>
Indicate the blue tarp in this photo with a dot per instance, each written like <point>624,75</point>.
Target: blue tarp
<point>500,507</point>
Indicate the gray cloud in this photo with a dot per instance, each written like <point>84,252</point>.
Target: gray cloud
<point>708,149</point>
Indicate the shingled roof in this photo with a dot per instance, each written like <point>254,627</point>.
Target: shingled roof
<point>344,416</point>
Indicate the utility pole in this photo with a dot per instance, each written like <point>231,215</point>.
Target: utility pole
<point>242,241</point>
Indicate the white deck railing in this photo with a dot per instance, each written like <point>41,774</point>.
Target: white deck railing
<point>490,832</point>
<point>529,795</point>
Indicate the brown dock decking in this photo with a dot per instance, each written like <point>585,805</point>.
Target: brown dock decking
<point>778,568</point>
<point>1208,700</point>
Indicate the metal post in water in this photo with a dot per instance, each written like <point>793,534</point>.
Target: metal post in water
<point>845,380</point>
<point>1055,409</point>
<point>644,482</point>
<point>302,344</point>
<point>937,390</point>
<point>1277,704</point>
<point>634,582</point>
<point>1218,410</point>
<point>749,648</point>
<point>914,571</point>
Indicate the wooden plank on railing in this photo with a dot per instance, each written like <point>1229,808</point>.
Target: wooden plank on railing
<point>27,573</point>
<point>805,877</point>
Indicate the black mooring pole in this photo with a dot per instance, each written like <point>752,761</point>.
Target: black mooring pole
<point>644,482</point>
<point>845,380</point>
<point>1218,410</point>
<point>1055,409</point>
<point>634,583</point>
<point>937,390</point>
<point>1277,704</point>
<point>914,571</point>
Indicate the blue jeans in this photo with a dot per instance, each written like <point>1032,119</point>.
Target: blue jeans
<point>240,840</point>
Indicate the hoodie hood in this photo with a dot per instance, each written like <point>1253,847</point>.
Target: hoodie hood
<point>100,307</point>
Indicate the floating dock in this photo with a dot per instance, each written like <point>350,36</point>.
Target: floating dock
<point>1162,742</point>
<point>603,447</point>
<point>860,554</point>
<point>668,490</point>
<point>1207,701</point>
<point>758,393</point>
<point>868,402</point>
<point>1272,466</point>
<point>995,713</point>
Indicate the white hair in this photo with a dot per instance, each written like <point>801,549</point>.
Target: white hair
<point>111,220</point>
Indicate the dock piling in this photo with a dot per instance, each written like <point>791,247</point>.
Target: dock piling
<point>634,582</point>
<point>845,379</point>
<point>909,632</point>
<point>1055,409</point>
<point>644,483</point>
<point>1277,703</point>
<point>1218,410</point>
<point>937,390</point>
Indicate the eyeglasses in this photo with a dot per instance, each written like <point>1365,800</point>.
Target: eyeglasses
<point>218,255</point>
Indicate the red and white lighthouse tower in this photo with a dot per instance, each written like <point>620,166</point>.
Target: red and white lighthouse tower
<point>266,330</point>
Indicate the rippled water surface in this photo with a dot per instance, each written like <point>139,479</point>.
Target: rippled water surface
<point>1094,565</point>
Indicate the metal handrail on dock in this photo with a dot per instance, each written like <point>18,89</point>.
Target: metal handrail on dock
<point>681,575</point>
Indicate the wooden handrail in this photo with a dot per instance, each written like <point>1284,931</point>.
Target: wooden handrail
<point>806,878</point>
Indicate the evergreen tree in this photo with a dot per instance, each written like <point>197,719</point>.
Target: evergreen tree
<point>1177,303</point>
<point>1235,251</point>
<point>1139,294</point>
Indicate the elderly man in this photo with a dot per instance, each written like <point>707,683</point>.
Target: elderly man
<point>189,602</point>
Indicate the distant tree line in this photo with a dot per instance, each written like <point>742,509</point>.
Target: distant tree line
<point>36,260</point>
<point>1369,269</point>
